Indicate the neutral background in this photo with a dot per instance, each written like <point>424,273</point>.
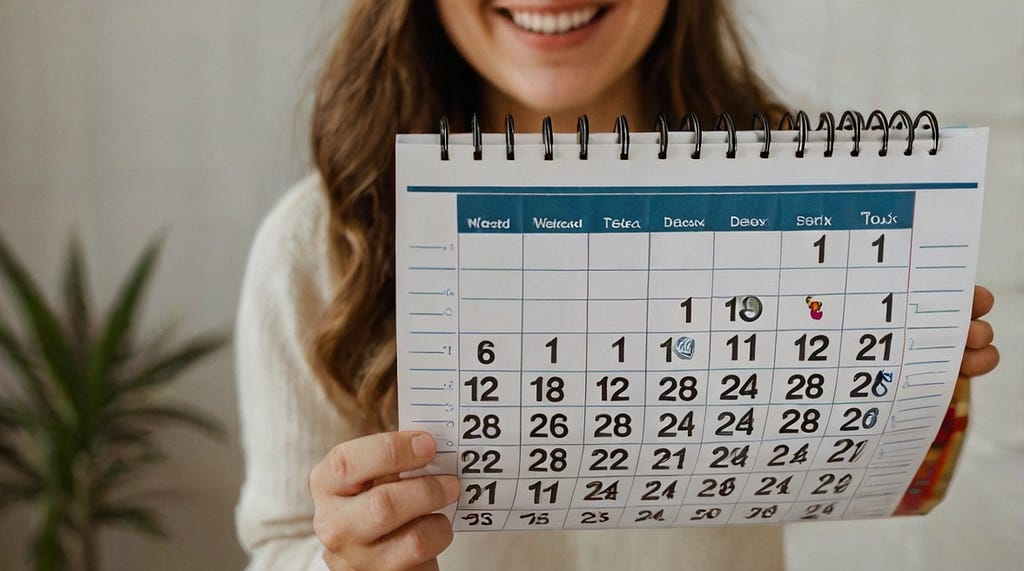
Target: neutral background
<point>118,119</point>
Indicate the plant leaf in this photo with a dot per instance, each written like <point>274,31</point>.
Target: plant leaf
<point>122,436</point>
<point>18,416</point>
<point>156,344</point>
<point>168,367</point>
<point>138,518</point>
<point>12,493</point>
<point>171,413</point>
<point>122,470</point>
<point>114,346</point>
<point>124,310</point>
<point>47,550</point>
<point>32,382</point>
<point>44,324</point>
<point>76,298</point>
<point>15,460</point>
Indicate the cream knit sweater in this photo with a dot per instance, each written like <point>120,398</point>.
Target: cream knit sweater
<point>288,426</point>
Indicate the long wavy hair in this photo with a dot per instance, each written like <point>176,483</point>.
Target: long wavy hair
<point>393,70</point>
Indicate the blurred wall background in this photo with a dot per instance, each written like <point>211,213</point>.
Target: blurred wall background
<point>118,119</point>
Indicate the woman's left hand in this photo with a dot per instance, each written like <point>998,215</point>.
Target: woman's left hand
<point>980,356</point>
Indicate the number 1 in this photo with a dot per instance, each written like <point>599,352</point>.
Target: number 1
<point>821,249</point>
<point>621,345</point>
<point>688,306</point>
<point>887,302</point>
<point>880,244</point>
<point>553,345</point>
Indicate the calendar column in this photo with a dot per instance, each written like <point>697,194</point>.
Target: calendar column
<point>554,332</point>
<point>678,351</point>
<point>815,251</point>
<point>616,349</point>
<point>490,314</point>
<point>871,361</point>
<point>744,316</point>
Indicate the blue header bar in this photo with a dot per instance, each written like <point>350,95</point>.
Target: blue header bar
<point>569,214</point>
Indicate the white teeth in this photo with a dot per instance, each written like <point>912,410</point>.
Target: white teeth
<point>552,23</point>
<point>548,24</point>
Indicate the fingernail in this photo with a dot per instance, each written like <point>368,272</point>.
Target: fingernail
<point>452,487</point>
<point>423,445</point>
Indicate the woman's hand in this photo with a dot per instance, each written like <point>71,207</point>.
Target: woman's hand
<point>980,356</point>
<point>367,518</point>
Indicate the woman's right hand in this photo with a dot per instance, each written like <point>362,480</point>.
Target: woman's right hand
<point>367,518</point>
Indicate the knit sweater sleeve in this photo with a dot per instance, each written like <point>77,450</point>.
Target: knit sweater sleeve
<point>287,424</point>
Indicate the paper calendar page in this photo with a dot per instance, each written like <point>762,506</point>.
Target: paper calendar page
<point>652,342</point>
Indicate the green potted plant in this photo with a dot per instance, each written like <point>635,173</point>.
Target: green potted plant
<point>78,416</point>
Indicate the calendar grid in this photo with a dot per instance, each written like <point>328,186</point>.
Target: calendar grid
<point>508,437</point>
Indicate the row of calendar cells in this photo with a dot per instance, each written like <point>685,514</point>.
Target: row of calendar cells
<point>695,515</point>
<point>514,426</point>
<point>685,351</point>
<point>617,492</point>
<point>808,303</point>
<point>672,388</point>
<point>594,461</point>
<point>700,250</point>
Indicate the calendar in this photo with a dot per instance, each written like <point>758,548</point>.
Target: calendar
<point>645,339</point>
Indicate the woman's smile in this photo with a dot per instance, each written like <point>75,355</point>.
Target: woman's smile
<point>549,26</point>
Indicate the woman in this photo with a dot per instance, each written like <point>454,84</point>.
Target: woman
<point>316,345</point>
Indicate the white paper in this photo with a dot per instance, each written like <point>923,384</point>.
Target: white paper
<point>616,343</point>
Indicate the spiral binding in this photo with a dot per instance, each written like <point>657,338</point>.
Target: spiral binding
<point>800,122</point>
<point>510,138</point>
<point>549,139</point>
<point>583,135</point>
<point>803,125</point>
<point>661,124</point>
<point>725,120</point>
<point>692,123</point>
<point>760,119</point>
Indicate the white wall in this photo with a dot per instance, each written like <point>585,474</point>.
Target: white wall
<point>120,118</point>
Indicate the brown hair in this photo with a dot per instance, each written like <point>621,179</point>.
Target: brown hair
<point>393,70</point>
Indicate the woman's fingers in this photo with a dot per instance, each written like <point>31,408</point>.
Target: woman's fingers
<point>350,466</point>
<point>366,518</point>
<point>387,507</point>
<point>353,524</point>
<point>979,334</point>
<point>983,302</point>
<point>417,543</point>
<point>980,356</point>
<point>979,361</point>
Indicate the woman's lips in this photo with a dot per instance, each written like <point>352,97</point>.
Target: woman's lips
<point>553,22</point>
<point>553,27</point>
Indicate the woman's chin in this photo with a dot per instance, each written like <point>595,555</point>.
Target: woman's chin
<point>548,96</point>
